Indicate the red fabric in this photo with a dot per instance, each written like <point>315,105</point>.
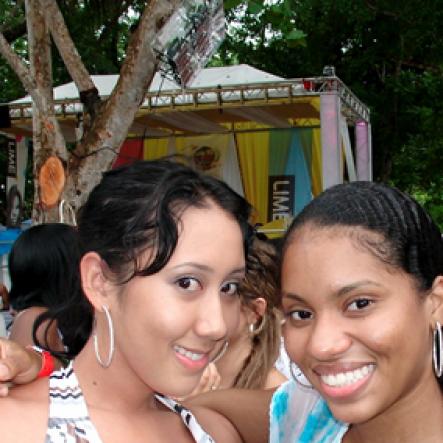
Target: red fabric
<point>131,150</point>
<point>47,365</point>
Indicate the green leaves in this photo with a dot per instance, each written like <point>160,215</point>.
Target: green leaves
<point>389,53</point>
<point>231,4</point>
<point>295,37</point>
<point>255,7</point>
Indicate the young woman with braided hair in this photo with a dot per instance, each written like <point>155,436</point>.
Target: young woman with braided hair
<point>363,302</point>
<point>362,298</point>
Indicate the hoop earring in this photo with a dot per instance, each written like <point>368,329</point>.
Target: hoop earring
<point>106,363</point>
<point>298,376</point>
<point>221,353</point>
<point>437,350</point>
<point>253,330</point>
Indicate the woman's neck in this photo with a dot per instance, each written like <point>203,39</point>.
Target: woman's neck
<point>116,385</point>
<point>230,365</point>
<point>417,417</point>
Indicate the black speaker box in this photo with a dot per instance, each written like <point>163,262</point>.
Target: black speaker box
<point>5,119</point>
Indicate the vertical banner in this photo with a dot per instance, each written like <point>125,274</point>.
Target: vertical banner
<point>297,166</point>
<point>332,160</point>
<point>281,194</point>
<point>253,151</point>
<point>276,168</point>
<point>12,158</point>
<point>16,179</point>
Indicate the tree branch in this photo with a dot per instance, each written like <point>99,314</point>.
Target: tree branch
<point>16,63</point>
<point>88,93</point>
<point>112,124</point>
<point>23,73</point>
<point>25,76</point>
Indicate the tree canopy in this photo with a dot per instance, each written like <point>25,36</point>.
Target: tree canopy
<point>389,53</point>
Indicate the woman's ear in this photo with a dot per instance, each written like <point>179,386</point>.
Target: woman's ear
<point>94,281</point>
<point>436,296</point>
<point>256,310</point>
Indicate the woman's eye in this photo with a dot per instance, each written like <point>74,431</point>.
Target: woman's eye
<point>300,315</point>
<point>188,283</point>
<point>359,304</point>
<point>230,288</point>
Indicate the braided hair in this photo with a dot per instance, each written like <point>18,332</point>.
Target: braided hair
<point>408,238</point>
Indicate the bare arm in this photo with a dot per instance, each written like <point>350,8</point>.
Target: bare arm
<point>246,409</point>
<point>275,379</point>
<point>17,364</point>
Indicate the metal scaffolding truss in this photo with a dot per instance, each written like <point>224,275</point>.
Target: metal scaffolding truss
<point>286,91</point>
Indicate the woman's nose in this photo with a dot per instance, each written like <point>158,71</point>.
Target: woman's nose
<point>329,338</point>
<point>211,322</point>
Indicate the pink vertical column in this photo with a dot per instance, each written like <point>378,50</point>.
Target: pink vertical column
<point>363,150</point>
<point>332,165</point>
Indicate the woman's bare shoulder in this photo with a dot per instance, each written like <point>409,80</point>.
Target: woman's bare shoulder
<point>216,425</point>
<point>246,409</point>
<point>25,404</point>
<point>21,329</point>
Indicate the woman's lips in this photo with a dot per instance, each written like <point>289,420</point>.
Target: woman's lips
<point>191,359</point>
<point>344,383</point>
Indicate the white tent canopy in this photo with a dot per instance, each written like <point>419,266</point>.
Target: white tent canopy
<point>225,100</point>
<point>238,75</point>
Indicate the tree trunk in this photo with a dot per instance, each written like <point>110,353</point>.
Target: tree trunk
<point>108,128</point>
<point>101,144</point>
<point>48,139</point>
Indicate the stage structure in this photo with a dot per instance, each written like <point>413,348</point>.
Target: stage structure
<point>277,141</point>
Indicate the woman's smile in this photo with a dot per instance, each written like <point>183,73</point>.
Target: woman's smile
<point>191,359</point>
<point>345,383</point>
<point>345,311</point>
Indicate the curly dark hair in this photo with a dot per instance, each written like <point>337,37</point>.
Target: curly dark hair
<point>138,207</point>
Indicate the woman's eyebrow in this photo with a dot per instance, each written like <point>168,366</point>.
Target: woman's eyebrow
<point>337,293</point>
<point>356,285</point>
<point>191,264</point>
<point>241,270</point>
<point>292,296</point>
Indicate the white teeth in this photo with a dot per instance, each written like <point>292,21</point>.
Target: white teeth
<point>191,355</point>
<point>347,378</point>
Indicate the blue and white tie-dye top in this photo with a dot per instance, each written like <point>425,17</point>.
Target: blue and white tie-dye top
<point>300,415</point>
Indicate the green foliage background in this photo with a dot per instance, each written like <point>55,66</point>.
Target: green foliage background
<point>389,52</point>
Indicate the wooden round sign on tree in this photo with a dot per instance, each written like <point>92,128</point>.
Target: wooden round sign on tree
<point>51,181</point>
